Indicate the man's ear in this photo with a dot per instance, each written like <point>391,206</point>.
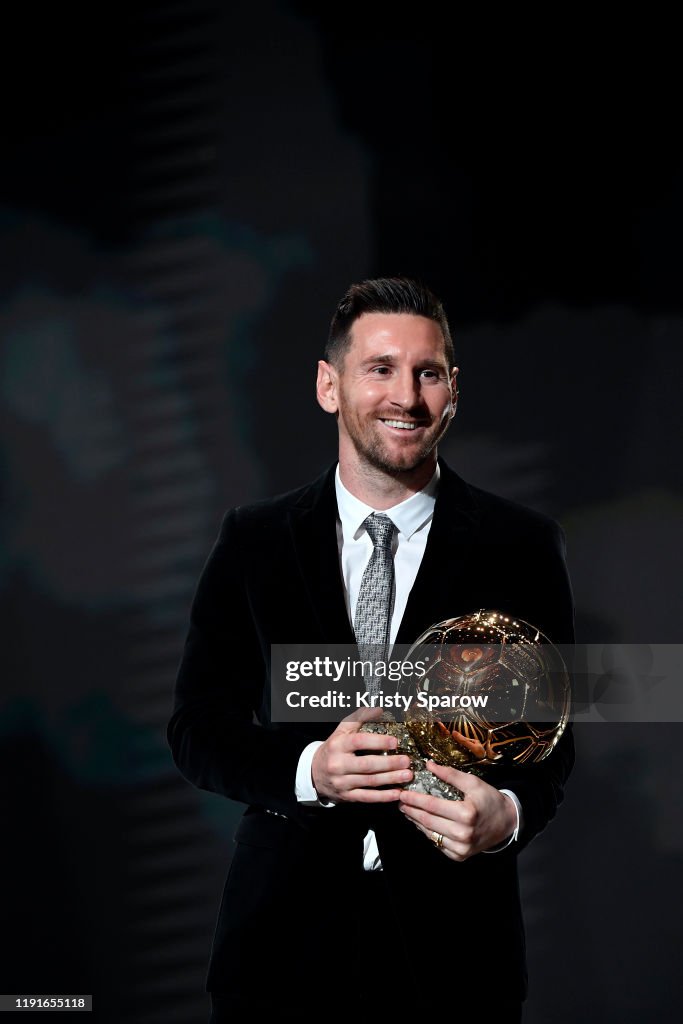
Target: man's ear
<point>454,389</point>
<point>327,387</point>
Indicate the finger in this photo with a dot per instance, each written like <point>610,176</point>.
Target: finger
<point>462,812</point>
<point>457,851</point>
<point>370,741</point>
<point>432,804</point>
<point>429,822</point>
<point>365,763</point>
<point>378,779</point>
<point>454,849</point>
<point>461,780</point>
<point>373,796</point>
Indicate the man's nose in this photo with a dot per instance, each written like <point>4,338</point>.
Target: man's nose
<point>406,390</point>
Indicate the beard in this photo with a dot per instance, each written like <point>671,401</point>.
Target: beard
<point>376,450</point>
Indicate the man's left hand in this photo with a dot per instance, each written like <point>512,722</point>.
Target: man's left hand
<point>481,821</point>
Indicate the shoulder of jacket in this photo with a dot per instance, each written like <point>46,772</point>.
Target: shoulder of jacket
<point>269,510</point>
<point>497,511</point>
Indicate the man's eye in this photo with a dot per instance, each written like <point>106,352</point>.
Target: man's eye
<point>430,373</point>
<point>380,369</point>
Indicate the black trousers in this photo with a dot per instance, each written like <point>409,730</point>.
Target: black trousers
<point>384,976</point>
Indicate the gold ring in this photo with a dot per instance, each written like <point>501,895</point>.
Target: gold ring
<point>437,839</point>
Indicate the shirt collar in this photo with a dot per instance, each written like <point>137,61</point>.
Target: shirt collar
<point>408,516</point>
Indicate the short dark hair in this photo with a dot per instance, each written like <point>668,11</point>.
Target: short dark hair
<point>384,295</point>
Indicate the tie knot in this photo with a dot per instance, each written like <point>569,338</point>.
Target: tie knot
<point>380,529</point>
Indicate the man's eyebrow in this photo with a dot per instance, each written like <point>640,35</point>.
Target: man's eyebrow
<point>378,359</point>
<point>389,360</point>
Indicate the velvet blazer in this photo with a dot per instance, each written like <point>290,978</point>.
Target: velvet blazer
<point>273,576</point>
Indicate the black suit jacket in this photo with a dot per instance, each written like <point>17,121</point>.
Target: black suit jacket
<point>273,576</point>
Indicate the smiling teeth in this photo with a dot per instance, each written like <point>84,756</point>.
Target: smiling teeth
<point>401,423</point>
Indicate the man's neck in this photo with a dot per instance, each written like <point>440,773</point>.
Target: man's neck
<point>381,490</point>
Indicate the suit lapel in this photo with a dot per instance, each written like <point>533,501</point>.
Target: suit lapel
<point>444,577</point>
<point>313,525</point>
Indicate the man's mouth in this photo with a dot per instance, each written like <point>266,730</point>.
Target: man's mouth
<point>402,424</point>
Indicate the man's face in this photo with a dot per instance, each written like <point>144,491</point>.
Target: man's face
<point>395,395</point>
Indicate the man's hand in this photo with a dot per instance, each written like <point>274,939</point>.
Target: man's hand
<point>482,820</point>
<point>340,775</point>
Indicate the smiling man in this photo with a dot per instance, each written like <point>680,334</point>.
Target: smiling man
<point>391,382</point>
<point>343,886</point>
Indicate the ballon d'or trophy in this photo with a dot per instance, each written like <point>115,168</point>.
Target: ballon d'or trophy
<point>495,691</point>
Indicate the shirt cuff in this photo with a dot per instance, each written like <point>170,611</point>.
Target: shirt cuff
<point>303,786</point>
<point>511,839</point>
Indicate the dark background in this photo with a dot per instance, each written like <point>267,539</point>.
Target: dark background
<point>187,190</point>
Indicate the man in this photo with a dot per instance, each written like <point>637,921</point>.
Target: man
<point>345,890</point>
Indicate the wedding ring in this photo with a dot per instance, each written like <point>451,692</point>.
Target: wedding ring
<point>437,839</point>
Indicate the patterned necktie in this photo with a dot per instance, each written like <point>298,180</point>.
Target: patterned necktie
<point>374,604</point>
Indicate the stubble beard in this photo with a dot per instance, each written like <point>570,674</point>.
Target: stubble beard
<point>374,452</point>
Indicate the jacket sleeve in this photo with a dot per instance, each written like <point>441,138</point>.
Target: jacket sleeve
<point>540,786</point>
<point>214,734</point>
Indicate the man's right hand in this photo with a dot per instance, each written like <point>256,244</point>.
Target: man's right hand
<point>339,774</point>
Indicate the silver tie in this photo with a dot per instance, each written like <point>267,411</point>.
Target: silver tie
<point>375,597</point>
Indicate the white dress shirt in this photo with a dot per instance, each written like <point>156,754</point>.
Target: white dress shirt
<point>412,519</point>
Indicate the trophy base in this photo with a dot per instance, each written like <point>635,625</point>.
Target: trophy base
<point>423,780</point>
